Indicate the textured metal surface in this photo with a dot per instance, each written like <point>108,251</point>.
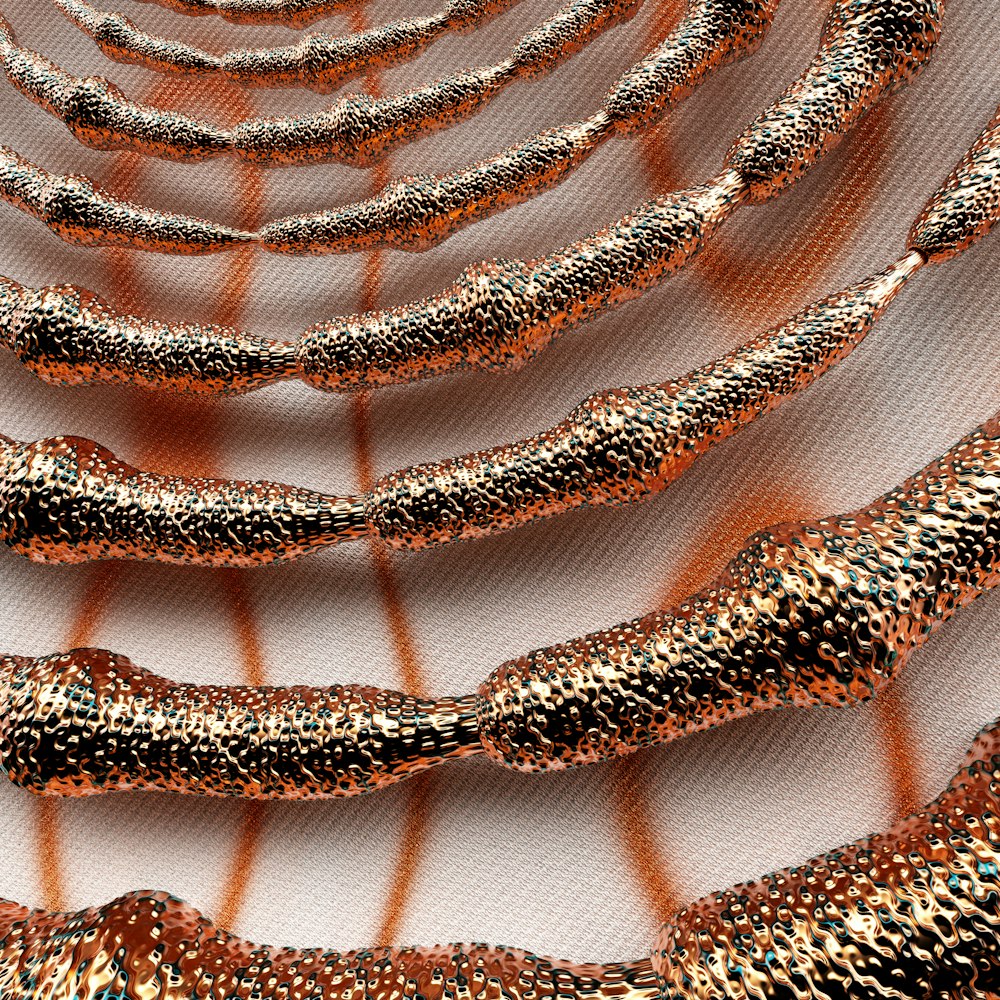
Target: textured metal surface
<point>151,946</point>
<point>70,336</point>
<point>814,612</point>
<point>711,34</point>
<point>90,721</point>
<point>416,213</point>
<point>913,913</point>
<point>78,211</point>
<point>69,500</point>
<point>294,13</point>
<point>320,61</point>
<point>822,612</point>
<point>866,51</point>
<point>966,207</point>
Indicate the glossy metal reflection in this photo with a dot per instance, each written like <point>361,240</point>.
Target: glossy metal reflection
<point>70,336</point>
<point>70,500</point>
<point>912,913</point>
<point>866,53</point>
<point>357,130</point>
<point>819,612</point>
<point>320,60</point>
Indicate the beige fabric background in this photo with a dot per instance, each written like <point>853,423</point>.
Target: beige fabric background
<point>538,862</point>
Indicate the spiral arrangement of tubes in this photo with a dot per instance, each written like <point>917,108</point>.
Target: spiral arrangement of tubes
<point>809,613</point>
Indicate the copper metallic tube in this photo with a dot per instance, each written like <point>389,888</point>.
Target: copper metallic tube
<point>882,45</point>
<point>319,60</point>
<point>820,612</point>
<point>69,336</point>
<point>322,62</point>
<point>293,13</point>
<point>79,212</point>
<point>70,500</point>
<point>711,34</point>
<point>913,914</point>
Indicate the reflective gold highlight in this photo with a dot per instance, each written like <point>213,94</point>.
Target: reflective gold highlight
<point>910,913</point>
<point>71,500</point>
<point>817,612</point>
<point>320,61</point>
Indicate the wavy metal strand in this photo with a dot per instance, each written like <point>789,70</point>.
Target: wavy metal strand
<point>882,45</point>
<point>322,62</point>
<point>913,913</point>
<point>70,500</point>
<point>79,212</point>
<point>70,336</point>
<point>319,61</point>
<point>711,34</point>
<point>819,612</point>
<point>293,13</point>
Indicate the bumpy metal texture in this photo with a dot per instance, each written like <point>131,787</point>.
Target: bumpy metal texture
<point>293,13</point>
<point>625,444</point>
<point>821,612</point>
<point>711,34</point>
<point>913,913</point>
<point>68,500</point>
<point>320,61</point>
<point>616,447</point>
<point>89,721</point>
<point>151,946</point>
<point>79,212</point>
<point>418,212</point>
<point>70,336</point>
<point>809,613</point>
<point>967,205</point>
<point>867,49</point>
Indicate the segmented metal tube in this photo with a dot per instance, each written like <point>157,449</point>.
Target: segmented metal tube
<point>319,61</point>
<point>323,62</point>
<point>818,612</point>
<point>79,212</point>
<point>883,45</point>
<point>70,336</point>
<point>293,13</point>
<point>711,34</point>
<point>69,499</point>
<point>911,913</point>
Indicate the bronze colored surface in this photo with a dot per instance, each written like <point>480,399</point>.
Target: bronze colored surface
<point>69,500</point>
<point>151,946</point>
<point>418,212</point>
<point>320,60</point>
<point>813,612</point>
<point>965,208</point>
<point>713,33</point>
<point>912,913</point>
<point>293,13</point>
<point>134,730</point>
<point>70,336</point>
<point>820,612</point>
<point>867,50</point>
<point>79,212</point>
